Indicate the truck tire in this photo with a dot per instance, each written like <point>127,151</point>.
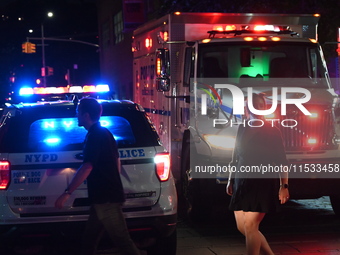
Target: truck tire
<point>201,202</point>
<point>195,202</point>
<point>164,245</point>
<point>335,202</point>
<point>183,187</point>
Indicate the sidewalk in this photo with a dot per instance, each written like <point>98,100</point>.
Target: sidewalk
<point>192,243</point>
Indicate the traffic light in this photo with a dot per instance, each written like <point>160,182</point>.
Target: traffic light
<point>28,47</point>
<point>49,71</point>
<point>33,48</point>
<point>24,47</point>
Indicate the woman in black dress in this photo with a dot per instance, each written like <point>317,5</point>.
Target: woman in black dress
<point>256,193</point>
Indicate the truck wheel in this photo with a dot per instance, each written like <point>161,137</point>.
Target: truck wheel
<point>183,187</point>
<point>201,201</point>
<point>335,202</point>
<point>194,196</point>
<point>164,245</point>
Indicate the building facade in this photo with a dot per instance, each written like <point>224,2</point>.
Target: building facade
<point>116,21</point>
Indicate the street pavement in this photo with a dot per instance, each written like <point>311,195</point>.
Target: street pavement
<point>321,237</point>
<point>306,227</point>
<point>193,243</point>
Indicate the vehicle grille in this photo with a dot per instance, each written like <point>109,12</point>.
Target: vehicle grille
<point>315,132</point>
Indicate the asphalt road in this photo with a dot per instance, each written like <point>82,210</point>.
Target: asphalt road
<point>298,217</point>
<point>302,227</point>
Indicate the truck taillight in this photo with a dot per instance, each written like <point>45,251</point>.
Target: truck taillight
<point>162,161</point>
<point>4,174</point>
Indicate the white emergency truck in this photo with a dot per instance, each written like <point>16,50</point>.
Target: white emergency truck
<point>182,63</point>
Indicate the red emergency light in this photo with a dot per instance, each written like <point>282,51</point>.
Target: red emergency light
<point>266,28</point>
<point>163,37</point>
<point>4,174</point>
<point>239,29</point>
<point>148,43</point>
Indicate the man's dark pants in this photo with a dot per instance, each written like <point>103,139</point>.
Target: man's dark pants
<point>107,217</point>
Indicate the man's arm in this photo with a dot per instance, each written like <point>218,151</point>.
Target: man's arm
<point>81,175</point>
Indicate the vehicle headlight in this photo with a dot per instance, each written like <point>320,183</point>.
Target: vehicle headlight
<point>220,142</point>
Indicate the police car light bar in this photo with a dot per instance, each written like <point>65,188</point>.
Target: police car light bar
<point>64,90</point>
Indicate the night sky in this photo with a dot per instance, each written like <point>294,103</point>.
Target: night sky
<point>71,19</point>
<point>77,19</point>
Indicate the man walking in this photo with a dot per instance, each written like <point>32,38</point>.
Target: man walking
<point>101,168</point>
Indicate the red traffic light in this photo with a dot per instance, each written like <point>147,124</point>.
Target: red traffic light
<point>28,47</point>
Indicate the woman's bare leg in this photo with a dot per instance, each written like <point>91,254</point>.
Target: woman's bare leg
<point>248,224</point>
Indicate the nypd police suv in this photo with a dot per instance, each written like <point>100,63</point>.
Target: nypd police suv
<point>41,148</point>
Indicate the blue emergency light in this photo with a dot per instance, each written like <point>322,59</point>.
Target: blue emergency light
<point>25,91</point>
<point>52,141</point>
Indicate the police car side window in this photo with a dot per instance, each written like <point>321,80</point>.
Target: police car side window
<point>120,128</point>
<point>144,133</point>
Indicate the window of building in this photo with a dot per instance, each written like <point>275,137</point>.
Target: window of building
<point>118,27</point>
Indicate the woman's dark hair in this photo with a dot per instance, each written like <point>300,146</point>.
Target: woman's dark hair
<point>92,107</point>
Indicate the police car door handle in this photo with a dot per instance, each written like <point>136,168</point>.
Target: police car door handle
<point>79,156</point>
